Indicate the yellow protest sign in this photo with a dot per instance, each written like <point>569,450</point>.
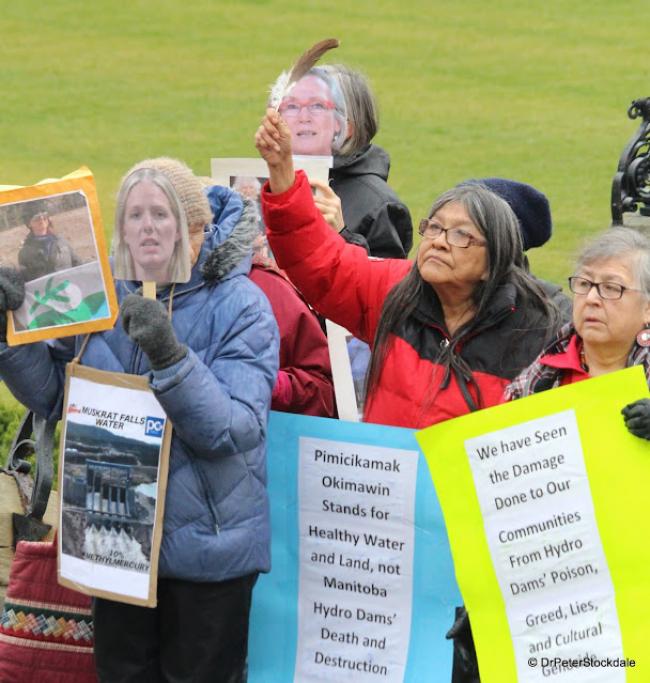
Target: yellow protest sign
<point>545,501</point>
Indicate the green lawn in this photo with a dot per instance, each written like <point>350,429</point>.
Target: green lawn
<point>535,91</point>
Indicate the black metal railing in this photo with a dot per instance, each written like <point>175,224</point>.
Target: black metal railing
<point>631,184</point>
<point>34,437</point>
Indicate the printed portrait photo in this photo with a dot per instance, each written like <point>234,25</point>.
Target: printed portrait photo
<point>151,238</point>
<point>51,242</point>
<point>314,109</point>
<point>247,177</point>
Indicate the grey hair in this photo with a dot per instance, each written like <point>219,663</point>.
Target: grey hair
<point>363,112</point>
<point>498,224</point>
<point>244,180</point>
<point>278,93</point>
<point>619,243</point>
<point>178,271</point>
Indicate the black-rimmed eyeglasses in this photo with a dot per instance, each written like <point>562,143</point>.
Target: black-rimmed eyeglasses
<point>606,290</point>
<point>456,237</point>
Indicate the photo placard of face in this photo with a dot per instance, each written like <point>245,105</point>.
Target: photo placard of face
<point>52,235</point>
<point>247,177</point>
<point>315,115</point>
<point>151,242</point>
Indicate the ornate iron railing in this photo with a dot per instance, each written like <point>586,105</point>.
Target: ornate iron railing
<point>631,185</point>
<point>34,437</point>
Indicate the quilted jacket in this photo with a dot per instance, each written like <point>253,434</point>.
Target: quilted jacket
<point>422,380</point>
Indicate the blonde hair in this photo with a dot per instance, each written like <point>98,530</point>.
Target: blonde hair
<point>178,264</point>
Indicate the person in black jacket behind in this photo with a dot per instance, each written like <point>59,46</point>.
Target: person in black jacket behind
<point>371,209</point>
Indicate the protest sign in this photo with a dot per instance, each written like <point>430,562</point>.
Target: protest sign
<point>349,390</point>
<point>52,234</point>
<point>113,475</point>
<point>247,176</point>
<point>233,171</point>
<point>543,500</point>
<point>151,240</point>
<point>362,583</point>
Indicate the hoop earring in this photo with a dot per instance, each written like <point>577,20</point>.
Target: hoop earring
<point>643,338</point>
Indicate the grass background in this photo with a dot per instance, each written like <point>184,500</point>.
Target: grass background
<point>536,91</point>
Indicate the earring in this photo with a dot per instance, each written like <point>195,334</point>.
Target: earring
<point>643,338</point>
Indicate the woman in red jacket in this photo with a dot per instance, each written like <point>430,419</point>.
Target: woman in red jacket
<point>449,331</point>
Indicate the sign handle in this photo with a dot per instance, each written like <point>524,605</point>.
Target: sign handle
<point>149,289</point>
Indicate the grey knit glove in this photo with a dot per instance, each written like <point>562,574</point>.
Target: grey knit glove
<point>147,324</point>
<point>12,295</point>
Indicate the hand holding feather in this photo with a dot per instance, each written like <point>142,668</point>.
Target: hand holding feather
<point>273,142</point>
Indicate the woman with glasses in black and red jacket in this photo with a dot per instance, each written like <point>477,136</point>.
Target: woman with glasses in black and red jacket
<point>449,331</point>
<point>610,329</point>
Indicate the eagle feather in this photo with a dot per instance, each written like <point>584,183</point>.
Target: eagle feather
<point>307,60</point>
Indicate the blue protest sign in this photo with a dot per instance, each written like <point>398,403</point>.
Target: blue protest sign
<point>362,585</point>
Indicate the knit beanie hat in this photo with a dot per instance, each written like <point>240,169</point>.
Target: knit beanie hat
<point>529,205</point>
<point>34,208</point>
<point>189,190</point>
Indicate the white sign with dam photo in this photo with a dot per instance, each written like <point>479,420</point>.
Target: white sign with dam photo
<point>114,451</point>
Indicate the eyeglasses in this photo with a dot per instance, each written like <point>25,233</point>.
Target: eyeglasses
<point>292,108</point>
<point>456,237</point>
<point>606,290</point>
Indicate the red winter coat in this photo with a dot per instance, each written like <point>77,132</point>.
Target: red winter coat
<point>342,283</point>
<point>304,383</point>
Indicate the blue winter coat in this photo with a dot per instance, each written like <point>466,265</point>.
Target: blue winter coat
<point>216,524</point>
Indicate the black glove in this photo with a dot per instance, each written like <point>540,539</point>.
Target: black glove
<point>465,663</point>
<point>637,418</point>
<point>12,295</point>
<point>148,325</point>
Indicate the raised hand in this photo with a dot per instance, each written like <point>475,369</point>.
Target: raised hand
<point>273,142</point>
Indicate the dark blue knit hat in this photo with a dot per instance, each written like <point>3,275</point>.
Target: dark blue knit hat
<point>530,206</point>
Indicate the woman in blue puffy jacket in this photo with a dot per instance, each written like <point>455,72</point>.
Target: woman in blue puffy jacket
<point>212,365</point>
